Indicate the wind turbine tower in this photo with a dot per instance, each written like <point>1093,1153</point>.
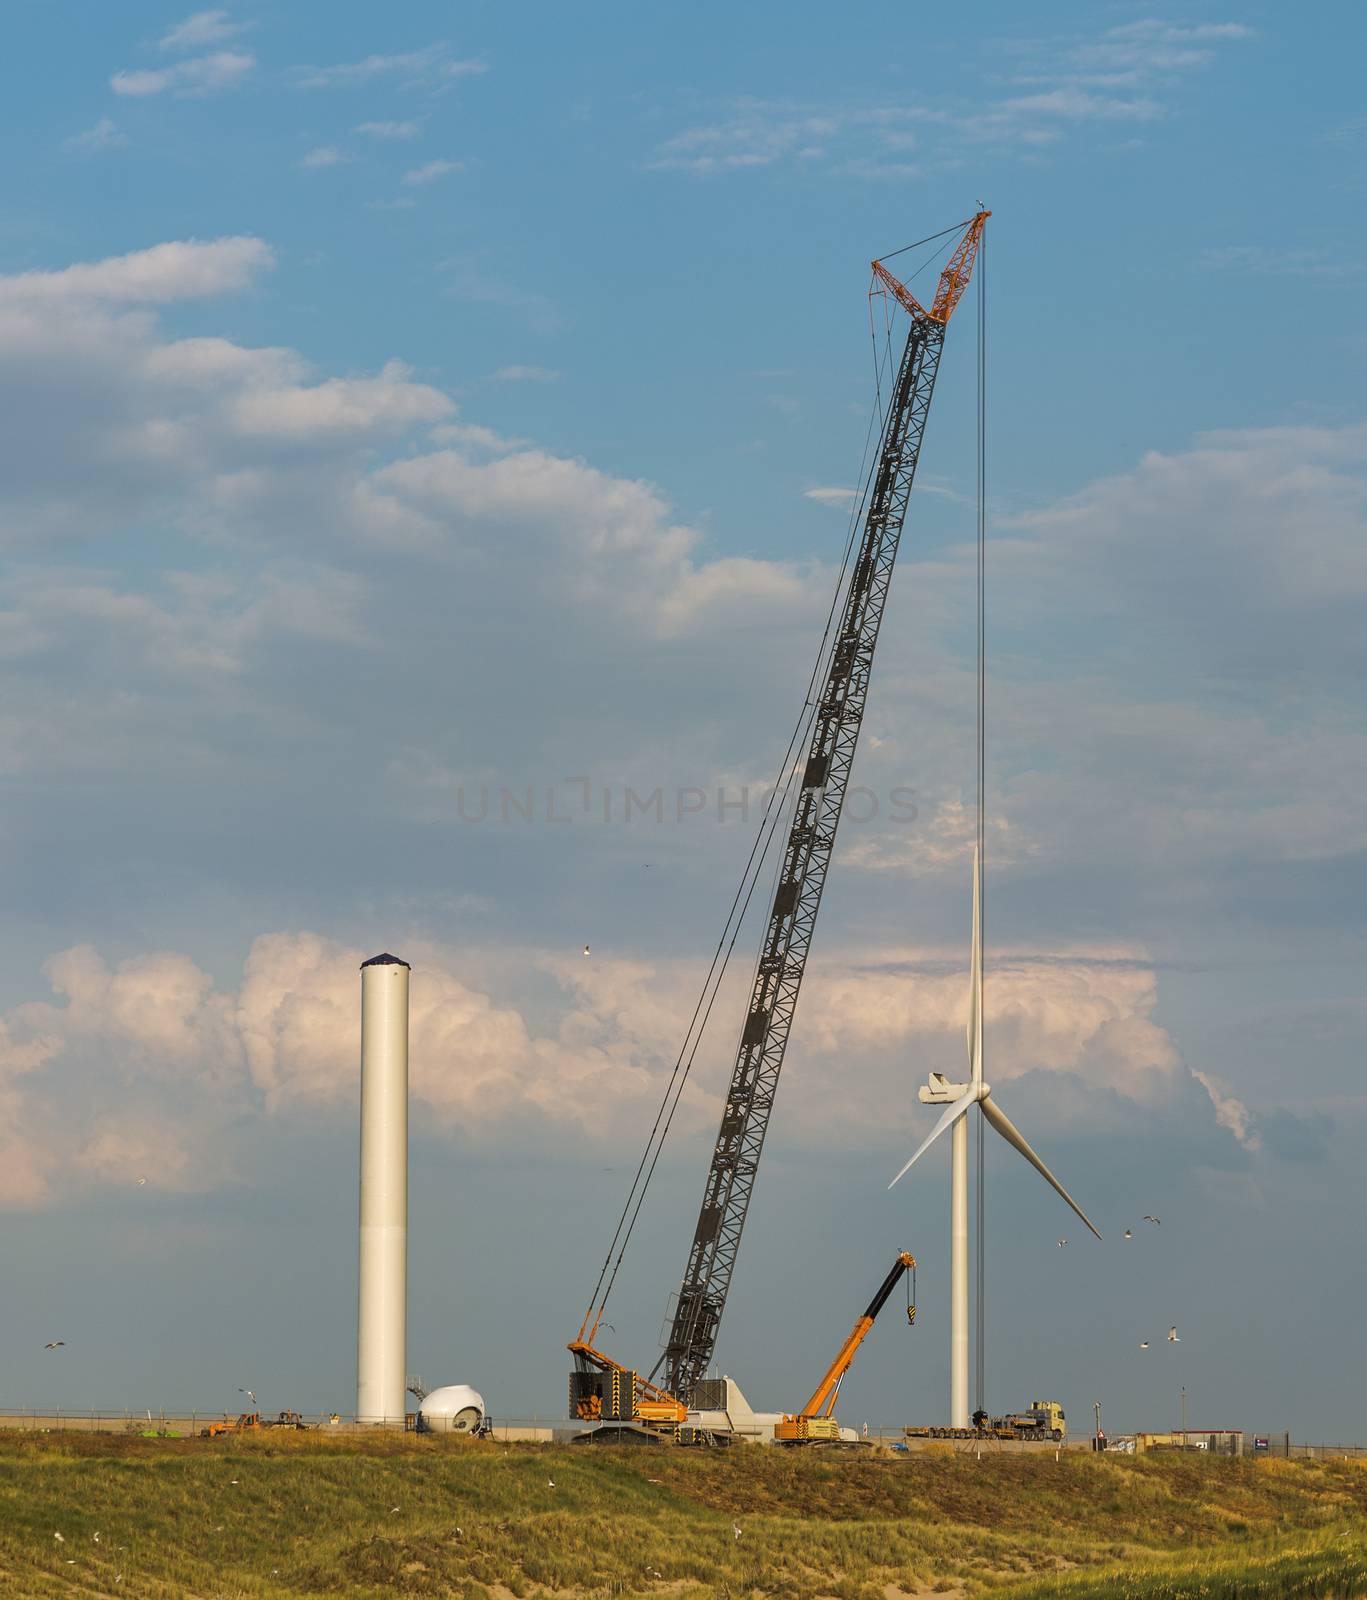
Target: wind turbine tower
<point>959,1099</point>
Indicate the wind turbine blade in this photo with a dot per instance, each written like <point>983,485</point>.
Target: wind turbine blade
<point>975,979</point>
<point>951,1114</point>
<point>1013,1136</point>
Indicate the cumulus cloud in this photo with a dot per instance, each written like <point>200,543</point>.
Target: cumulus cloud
<point>201,75</point>
<point>389,130</point>
<point>186,269</point>
<point>1127,74</point>
<point>429,172</point>
<point>323,155</point>
<point>831,495</point>
<point>105,135</point>
<point>433,65</point>
<point>1230,1111</point>
<point>199,31</point>
<point>169,1065</point>
<point>335,541</point>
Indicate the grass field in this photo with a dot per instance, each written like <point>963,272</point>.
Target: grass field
<point>315,1515</point>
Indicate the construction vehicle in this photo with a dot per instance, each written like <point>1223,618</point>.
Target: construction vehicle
<point>248,1422</point>
<point>815,1424</point>
<point>811,794</point>
<point>1043,1421</point>
<point>285,1419</point>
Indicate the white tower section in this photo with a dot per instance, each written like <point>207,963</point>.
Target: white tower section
<point>958,1274</point>
<point>382,1322</point>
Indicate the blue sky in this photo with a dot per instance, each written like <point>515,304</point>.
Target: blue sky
<point>405,406</point>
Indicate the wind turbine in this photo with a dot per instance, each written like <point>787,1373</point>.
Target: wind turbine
<point>959,1099</point>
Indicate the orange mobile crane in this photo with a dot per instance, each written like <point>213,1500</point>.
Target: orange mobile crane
<point>815,1423</point>
<point>601,1388</point>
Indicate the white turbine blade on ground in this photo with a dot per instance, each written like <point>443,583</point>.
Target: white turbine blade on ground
<point>975,980</point>
<point>1013,1136</point>
<point>958,1109</point>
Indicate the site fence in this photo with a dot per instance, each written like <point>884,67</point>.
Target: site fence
<point>540,1429</point>
<point>189,1424</point>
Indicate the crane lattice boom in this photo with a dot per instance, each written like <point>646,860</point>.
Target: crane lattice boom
<point>839,712</point>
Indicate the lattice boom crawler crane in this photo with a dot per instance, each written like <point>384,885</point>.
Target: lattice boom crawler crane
<point>839,712</point>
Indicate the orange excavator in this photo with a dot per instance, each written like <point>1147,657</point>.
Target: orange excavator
<point>815,1424</point>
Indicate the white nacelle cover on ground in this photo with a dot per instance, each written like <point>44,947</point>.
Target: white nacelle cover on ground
<point>455,1409</point>
<point>738,1418</point>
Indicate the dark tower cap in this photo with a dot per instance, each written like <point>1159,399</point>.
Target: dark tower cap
<point>385,960</point>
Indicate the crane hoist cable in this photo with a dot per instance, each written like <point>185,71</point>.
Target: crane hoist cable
<point>775,809</point>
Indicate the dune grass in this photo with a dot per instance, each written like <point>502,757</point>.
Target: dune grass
<point>309,1514</point>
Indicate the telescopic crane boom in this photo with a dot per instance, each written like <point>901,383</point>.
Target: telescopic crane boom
<point>811,837</point>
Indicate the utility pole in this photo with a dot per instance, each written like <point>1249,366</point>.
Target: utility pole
<point>1097,1435</point>
<point>1184,1416</point>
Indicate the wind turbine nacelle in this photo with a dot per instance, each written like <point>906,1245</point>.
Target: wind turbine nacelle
<point>939,1090</point>
<point>457,1408</point>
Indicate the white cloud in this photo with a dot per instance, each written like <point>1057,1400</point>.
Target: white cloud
<point>1079,104</point>
<point>184,270</point>
<point>389,130</point>
<point>1127,74</point>
<point>323,155</point>
<point>430,171</point>
<point>1230,1111</point>
<point>434,64</point>
<point>472,436</point>
<point>362,407</point>
<point>224,69</point>
<point>168,1062</point>
<point>831,495</point>
<point>200,31</point>
<point>105,135</point>
<point>527,374</point>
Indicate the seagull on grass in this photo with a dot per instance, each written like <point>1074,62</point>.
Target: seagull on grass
<point>735,1528</point>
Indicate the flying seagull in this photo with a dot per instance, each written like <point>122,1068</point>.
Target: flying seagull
<point>735,1528</point>
<point>1174,1337</point>
<point>54,1344</point>
<point>141,1181</point>
<point>248,1394</point>
<point>1061,1243</point>
<point>586,950</point>
<point>1157,1221</point>
<point>1143,1344</point>
<point>1129,1234</point>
